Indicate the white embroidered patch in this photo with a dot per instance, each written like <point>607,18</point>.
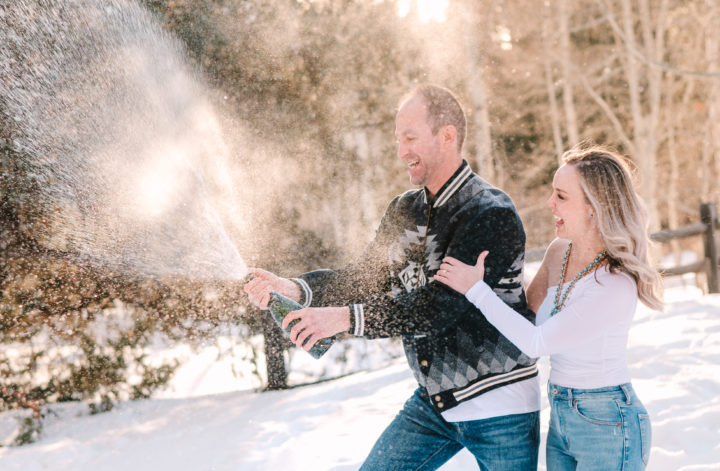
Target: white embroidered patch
<point>407,249</point>
<point>412,276</point>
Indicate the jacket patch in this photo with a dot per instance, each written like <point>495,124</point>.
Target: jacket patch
<point>409,250</point>
<point>411,277</point>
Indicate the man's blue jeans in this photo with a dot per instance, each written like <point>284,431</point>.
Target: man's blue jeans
<point>602,429</point>
<point>420,439</point>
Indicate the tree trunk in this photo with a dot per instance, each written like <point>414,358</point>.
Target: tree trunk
<point>705,166</point>
<point>645,124</point>
<point>550,82</point>
<point>475,38</point>
<point>566,64</point>
<point>712,55</point>
<point>360,191</point>
<point>673,185</point>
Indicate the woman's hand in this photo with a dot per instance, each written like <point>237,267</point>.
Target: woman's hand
<point>459,276</point>
<point>315,323</point>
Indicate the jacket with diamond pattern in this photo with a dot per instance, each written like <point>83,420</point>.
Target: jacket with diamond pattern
<point>454,353</point>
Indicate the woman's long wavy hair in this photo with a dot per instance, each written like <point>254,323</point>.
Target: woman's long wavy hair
<point>620,215</point>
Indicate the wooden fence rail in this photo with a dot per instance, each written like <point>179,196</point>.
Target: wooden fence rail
<point>708,228</point>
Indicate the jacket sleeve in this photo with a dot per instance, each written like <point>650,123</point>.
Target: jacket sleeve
<point>432,308</point>
<point>359,280</point>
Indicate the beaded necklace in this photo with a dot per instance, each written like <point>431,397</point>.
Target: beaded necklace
<point>560,300</point>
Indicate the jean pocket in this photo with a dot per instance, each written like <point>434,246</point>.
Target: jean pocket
<point>645,436</point>
<point>599,411</point>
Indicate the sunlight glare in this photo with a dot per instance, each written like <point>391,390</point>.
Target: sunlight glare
<point>504,37</point>
<point>156,185</point>
<point>427,10</point>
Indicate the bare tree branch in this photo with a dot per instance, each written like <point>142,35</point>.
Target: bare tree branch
<point>649,62</point>
<point>608,112</point>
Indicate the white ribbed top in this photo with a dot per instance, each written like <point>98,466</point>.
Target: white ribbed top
<point>586,340</point>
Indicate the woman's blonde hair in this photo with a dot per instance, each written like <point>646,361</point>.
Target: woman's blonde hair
<point>620,215</point>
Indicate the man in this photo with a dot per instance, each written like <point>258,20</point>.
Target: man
<point>476,389</point>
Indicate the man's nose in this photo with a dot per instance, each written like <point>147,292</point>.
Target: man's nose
<point>401,151</point>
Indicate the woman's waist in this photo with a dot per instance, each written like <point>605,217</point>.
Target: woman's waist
<point>590,378</point>
<point>582,370</point>
<point>623,391</point>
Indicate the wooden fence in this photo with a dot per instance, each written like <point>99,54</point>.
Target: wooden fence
<point>708,228</point>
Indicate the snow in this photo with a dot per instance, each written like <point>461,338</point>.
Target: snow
<point>674,357</point>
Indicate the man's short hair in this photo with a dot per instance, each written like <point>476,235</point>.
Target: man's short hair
<point>443,109</point>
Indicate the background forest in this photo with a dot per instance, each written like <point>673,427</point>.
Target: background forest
<point>301,98</point>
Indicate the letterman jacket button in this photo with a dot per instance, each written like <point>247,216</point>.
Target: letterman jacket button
<point>424,363</point>
<point>440,405</point>
<point>438,398</point>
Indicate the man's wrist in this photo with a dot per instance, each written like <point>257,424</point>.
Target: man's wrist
<point>347,316</point>
<point>305,298</point>
<point>292,290</point>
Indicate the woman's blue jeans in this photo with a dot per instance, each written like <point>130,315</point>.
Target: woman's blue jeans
<point>420,439</point>
<point>604,429</point>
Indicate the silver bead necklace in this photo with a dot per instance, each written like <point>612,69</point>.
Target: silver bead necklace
<point>561,299</point>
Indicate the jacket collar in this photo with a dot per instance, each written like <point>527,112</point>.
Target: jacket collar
<point>461,175</point>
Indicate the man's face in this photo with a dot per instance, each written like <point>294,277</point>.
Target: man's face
<point>417,146</point>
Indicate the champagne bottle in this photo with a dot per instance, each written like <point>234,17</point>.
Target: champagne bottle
<point>280,306</point>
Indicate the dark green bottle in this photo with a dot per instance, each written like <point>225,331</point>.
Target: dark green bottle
<point>280,306</point>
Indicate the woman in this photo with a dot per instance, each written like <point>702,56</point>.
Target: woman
<point>584,294</point>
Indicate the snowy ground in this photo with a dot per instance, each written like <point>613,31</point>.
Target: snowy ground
<point>675,363</point>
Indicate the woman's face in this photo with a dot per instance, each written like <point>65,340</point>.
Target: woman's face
<point>569,206</point>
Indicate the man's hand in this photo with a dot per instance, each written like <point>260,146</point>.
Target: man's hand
<point>315,323</point>
<point>459,276</point>
<point>258,289</point>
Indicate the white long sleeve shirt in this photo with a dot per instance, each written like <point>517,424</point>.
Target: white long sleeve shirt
<point>586,340</point>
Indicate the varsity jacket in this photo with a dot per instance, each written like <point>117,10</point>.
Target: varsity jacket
<point>454,353</point>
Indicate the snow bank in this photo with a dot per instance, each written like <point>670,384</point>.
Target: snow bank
<point>674,358</point>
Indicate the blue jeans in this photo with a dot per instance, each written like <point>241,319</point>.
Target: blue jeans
<point>597,429</point>
<point>420,439</point>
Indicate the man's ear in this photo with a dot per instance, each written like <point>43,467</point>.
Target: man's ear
<point>449,134</point>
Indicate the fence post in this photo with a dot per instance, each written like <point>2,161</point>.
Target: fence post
<point>709,216</point>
